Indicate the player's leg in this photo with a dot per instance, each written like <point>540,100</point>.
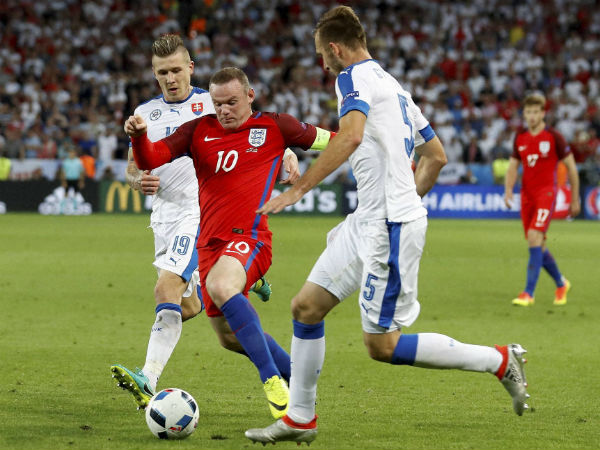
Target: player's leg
<point>528,213</point>
<point>226,283</point>
<point>176,261</point>
<point>309,308</point>
<point>398,307</point>
<point>191,300</point>
<point>562,284</point>
<point>335,276</point>
<point>228,340</point>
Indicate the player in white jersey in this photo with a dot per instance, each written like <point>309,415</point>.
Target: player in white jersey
<point>175,219</point>
<point>376,249</point>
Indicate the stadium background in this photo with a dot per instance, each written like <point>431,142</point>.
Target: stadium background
<point>71,71</point>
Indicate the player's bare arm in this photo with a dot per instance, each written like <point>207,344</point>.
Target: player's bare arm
<point>340,148</point>
<point>573,175</point>
<point>510,180</point>
<point>432,159</point>
<point>133,175</point>
<point>291,166</point>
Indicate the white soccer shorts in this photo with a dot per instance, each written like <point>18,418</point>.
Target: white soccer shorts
<point>175,250</point>
<point>382,260</point>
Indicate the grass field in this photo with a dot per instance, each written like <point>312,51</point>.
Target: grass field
<point>76,296</point>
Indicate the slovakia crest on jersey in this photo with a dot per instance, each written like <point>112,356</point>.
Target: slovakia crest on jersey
<point>197,108</point>
<point>544,148</point>
<point>257,136</point>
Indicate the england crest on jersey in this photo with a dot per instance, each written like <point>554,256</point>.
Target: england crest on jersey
<point>544,148</point>
<point>257,136</point>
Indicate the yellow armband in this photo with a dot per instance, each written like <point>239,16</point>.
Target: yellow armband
<point>322,139</point>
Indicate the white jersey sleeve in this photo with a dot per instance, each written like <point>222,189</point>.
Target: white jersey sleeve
<point>382,163</point>
<point>177,195</point>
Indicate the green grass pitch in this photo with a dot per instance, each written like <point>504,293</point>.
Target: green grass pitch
<point>76,296</point>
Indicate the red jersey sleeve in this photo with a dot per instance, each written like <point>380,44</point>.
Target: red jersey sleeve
<point>149,155</point>
<point>560,144</point>
<point>294,132</point>
<point>180,142</point>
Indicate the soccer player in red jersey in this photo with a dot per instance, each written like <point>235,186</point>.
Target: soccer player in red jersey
<point>540,148</point>
<point>237,154</point>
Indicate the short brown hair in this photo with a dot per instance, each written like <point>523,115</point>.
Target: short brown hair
<point>535,99</point>
<point>341,25</point>
<point>168,44</point>
<point>227,74</point>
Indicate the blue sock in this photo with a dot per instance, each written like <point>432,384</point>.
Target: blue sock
<point>533,269</point>
<point>280,356</point>
<point>550,265</point>
<point>406,350</point>
<point>247,329</point>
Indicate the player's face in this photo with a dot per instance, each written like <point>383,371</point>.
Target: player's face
<point>173,74</point>
<point>232,103</point>
<point>533,115</point>
<point>331,62</point>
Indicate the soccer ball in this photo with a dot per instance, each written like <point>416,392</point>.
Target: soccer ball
<point>172,414</point>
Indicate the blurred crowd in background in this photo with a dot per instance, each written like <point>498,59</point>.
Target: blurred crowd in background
<point>71,71</point>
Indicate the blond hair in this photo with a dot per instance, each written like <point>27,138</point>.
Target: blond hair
<point>168,44</point>
<point>535,99</point>
<point>341,25</point>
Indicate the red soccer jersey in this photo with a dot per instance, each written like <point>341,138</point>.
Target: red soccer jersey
<point>236,169</point>
<point>540,155</point>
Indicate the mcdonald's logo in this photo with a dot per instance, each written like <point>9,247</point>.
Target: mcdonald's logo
<point>122,191</point>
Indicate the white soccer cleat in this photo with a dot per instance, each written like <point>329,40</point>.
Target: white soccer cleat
<point>280,431</point>
<point>513,379</point>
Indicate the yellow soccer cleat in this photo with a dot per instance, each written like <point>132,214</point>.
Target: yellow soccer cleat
<point>560,297</point>
<point>278,396</point>
<point>135,382</point>
<point>524,299</point>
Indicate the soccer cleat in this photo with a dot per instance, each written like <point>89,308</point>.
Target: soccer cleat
<point>284,429</point>
<point>560,296</point>
<point>135,382</point>
<point>512,375</point>
<point>524,299</point>
<point>262,288</point>
<point>277,395</point>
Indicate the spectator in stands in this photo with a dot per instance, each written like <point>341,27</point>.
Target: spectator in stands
<point>88,69</point>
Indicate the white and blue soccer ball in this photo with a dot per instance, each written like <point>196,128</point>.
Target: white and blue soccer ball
<point>172,414</point>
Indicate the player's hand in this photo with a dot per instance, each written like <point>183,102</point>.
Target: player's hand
<point>135,126</point>
<point>278,203</point>
<point>575,207</point>
<point>291,166</point>
<point>508,199</point>
<point>149,183</point>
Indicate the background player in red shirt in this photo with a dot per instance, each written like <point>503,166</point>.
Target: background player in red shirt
<point>540,148</point>
<point>237,154</point>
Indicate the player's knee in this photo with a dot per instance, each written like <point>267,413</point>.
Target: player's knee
<point>303,310</point>
<point>219,290</point>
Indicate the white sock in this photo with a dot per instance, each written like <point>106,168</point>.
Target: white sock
<point>163,339</point>
<point>442,352</point>
<point>307,358</point>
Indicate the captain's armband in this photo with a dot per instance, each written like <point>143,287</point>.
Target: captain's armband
<point>322,139</point>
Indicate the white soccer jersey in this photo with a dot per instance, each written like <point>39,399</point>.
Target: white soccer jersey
<point>382,163</point>
<point>177,195</point>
